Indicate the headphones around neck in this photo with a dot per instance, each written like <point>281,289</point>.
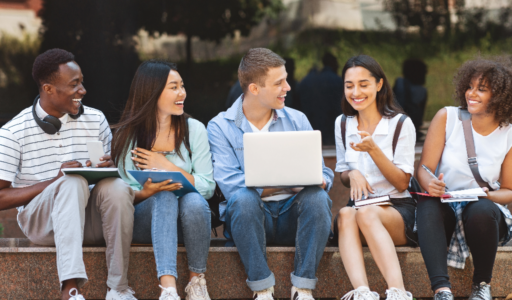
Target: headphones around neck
<point>51,124</point>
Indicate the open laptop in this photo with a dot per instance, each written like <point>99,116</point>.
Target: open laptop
<point>283,159</point>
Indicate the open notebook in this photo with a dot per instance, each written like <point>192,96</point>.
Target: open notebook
<point>460,196</point>
<point>463,195</point>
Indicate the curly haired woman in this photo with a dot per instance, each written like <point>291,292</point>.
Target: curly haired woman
<point>483,87</point>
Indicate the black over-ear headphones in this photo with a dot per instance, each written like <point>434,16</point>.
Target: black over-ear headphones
<point>51,124</point>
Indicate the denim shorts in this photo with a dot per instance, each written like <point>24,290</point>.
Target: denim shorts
<point>407,209</point>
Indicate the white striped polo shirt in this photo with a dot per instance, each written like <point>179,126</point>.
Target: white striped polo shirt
<point>28,155</point>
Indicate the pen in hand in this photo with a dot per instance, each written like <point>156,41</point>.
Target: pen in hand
<point>432,174</point>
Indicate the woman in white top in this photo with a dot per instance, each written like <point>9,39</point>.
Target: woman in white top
<point>484,88</point>
<point>369,167</point>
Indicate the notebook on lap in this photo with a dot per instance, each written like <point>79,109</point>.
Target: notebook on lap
<point>283,159</point>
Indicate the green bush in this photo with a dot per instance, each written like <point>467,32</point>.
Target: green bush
<point>17,88</point>
<point>1,230</point>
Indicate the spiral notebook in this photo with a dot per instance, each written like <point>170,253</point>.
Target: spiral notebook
<point>460,196</point>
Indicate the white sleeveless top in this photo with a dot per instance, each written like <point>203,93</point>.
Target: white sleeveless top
<point>490,151</point>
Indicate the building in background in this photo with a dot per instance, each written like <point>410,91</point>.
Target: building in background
<point>19,16</point>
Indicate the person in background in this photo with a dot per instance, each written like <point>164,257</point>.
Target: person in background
<point>256,216</point>
<point>56,209</point>
<point>320,97</point>
<point>155,133</point>
<point>371,168</point>
<point>411,93</point>
<point>483,88</point>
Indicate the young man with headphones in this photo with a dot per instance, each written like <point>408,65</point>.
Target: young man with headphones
<point>56,209</point>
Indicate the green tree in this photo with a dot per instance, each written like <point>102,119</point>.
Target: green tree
<point>101,35</point>
<point>205,19</point>
<point>426,14</point>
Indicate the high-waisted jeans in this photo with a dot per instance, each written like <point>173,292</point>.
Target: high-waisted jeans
<point>164,220</point>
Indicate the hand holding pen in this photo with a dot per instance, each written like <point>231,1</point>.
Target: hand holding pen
<point>436,186</point>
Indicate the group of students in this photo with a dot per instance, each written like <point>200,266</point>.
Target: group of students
<point>155,133</point>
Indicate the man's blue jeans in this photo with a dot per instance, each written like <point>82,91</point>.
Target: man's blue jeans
<point>163,220</point>
<point>303,221</point>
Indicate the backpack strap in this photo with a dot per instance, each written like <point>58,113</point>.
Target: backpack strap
<point>395,136</point>
<point>344,130</point>
<point>398,129</point>
<point>465,118</point>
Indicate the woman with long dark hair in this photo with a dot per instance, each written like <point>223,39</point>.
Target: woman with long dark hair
<point>373,164</point>
<point>480,125</point>
<point>155,133</point>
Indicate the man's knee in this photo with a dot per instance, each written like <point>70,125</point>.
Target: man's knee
<point>315,200</point>
<point>72,188</point>
<point>245,201</point>
<point>114,192</point>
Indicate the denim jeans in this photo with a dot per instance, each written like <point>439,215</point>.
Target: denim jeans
<point>303,221</point>
<point>171,220</point>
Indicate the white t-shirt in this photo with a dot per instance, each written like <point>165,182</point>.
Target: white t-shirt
<point>282,194</point>
<point>351,159</point>
<point>490,151</point>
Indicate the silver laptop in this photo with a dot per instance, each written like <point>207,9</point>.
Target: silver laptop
<point>283,159</point>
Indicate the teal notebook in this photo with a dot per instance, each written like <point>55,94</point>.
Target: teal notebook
<point>157,176</point>
<point>93,175</point>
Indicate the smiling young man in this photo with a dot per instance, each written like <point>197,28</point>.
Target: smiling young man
<point>58,210</point>
<point>255,217</point>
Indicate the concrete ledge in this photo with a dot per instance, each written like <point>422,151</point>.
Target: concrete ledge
<point>28,271</point>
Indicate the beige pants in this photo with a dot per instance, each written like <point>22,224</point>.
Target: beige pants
<point>66,215</point>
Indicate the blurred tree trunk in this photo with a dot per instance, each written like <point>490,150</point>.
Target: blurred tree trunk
<point>448,21</point>
<point>189,49</point>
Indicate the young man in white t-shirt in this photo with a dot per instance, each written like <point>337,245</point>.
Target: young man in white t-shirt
<point>56,209</point>
<point>257,217</point>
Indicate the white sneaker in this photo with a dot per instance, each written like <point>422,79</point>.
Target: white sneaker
<point>169,293</point>
<point>301,294</point>
<point>76,296</point>
<point>196,289</point>
<point>361,293</point>
<point>120,295</point>
<point>267,294</point>
<point>396,294</point>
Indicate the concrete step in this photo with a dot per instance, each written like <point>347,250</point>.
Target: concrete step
<point>28,271</point>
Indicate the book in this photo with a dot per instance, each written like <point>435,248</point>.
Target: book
<point>460,196</point>
<point>93,175</point>
<point>159,176</point>
<point>380,200</point>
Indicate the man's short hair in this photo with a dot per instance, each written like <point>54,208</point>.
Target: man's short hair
<point>46,65</point>
<point>255,65</point>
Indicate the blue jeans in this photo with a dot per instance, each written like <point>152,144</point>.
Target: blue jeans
<point>303,221</point>
<point>171,220</point>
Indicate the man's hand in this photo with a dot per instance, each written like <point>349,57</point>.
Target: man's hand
<point>68,164</point>
<point>106,162</point>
